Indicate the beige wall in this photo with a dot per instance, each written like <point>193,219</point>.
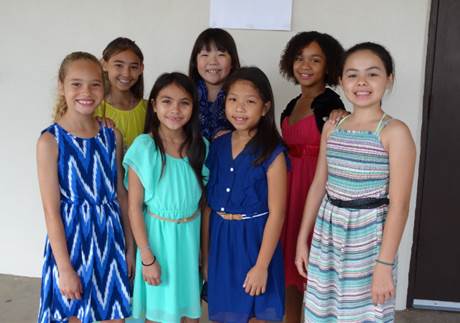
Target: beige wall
<point>36,35</point>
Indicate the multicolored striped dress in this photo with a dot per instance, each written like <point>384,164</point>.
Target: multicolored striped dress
<point>347,241</point>
<point>90,215</point>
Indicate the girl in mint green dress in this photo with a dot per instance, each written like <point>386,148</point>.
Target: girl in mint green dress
<point>165,179</point>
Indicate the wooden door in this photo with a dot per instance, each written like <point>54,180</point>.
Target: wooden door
<point>434,280</point>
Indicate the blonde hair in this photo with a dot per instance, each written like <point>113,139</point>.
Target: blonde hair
<point>60,107</point>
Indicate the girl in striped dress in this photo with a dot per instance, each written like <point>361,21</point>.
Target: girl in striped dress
<point>359,199</point>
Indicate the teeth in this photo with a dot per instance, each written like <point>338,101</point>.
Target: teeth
<point>123,81</point>
<point>85,102</point>
<point>363,93</point>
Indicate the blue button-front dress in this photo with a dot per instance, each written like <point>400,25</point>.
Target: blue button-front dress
<point>238,186</point>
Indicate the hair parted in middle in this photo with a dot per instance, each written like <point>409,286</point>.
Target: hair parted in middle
<point>330,46</point>
<point>119,45</point>
<point>267,137</point>
<point>194,147</point>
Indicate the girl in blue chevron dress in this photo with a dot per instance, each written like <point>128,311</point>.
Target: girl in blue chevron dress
<point>359,198</point>
<point>88,250</point>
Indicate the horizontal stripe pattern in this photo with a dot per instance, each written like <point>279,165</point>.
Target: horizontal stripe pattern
<point>346,242</point>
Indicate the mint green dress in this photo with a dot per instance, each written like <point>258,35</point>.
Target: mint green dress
<point>175,195</point>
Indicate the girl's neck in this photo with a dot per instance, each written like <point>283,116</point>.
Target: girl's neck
<point>79,125</point>
<point>311,92</point>
<point>213,91</point>
<point>367,114</point>
<point>171,136</point>
<point>122,100</point>
<point>243,135</point>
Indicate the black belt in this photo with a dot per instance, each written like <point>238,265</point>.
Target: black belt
<point>365,203</point>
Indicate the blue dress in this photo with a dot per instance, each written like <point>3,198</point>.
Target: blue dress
<point>237,186</point>
<point>90,214</point>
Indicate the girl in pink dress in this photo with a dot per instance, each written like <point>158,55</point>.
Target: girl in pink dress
<point>311,60</point>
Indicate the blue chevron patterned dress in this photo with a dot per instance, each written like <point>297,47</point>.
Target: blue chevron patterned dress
<point>91,217</point>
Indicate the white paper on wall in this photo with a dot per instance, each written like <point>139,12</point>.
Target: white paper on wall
<point>251,14</point>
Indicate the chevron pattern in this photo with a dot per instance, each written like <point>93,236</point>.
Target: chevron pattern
<point>90,214</point>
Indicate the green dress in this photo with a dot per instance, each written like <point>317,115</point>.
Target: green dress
<point>175,195</point>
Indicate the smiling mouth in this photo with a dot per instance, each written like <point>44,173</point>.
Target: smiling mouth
<point>362,93</point>
<point>125,82</point>
<point>85,102</point>
<point>213,71</point>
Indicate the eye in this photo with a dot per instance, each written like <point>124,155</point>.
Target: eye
<point>134,67</point>
<point>119,65</point>
<point>231,99</point>
<point>350,76</point>
<point>75,84</point>
<point>165,101</point>
<point>97,84</point>
<point>316,60</point>
<point>298,58</point>
<point>251,101</point>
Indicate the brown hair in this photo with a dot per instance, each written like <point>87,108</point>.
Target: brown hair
<point>119,45</point>
<point>60,107</point>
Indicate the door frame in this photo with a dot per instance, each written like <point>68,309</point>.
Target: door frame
<point>429,70</point>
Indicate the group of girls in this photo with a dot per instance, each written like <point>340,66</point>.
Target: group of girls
<point>197,185</point>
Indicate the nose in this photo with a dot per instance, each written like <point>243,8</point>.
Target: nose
<point>306,64</point>
<point>362,80</point>
<point>125,71</point>
<point>240,106</point>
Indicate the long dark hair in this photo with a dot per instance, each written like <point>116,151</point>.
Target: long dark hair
<point>193,146</point>
<point>223,41</point>
<point>119,45</point>
<point>267,137</point>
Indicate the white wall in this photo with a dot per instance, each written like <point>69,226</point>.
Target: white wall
<point>36,35</point>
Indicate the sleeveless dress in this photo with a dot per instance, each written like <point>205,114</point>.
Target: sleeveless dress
<point>346,242</point>
<point>129,122</point>
<point>302,139</point>
<point>238,186</point>
<point>90,214</point>
<point>174,195</point>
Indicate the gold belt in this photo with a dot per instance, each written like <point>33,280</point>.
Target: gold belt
<point>178,221</point>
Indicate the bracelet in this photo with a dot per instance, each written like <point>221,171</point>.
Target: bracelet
<point>384,262</point>
<point>154,260</point>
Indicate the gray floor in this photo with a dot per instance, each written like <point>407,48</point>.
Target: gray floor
<point>19,304</point>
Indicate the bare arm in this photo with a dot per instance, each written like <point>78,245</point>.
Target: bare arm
<point>151,273</point>
<point>205,241</point>
<point>47,154</point>
<point>398,141</point>
<point>123,199</point>
<point>256,279</point>
<point>313,202</point>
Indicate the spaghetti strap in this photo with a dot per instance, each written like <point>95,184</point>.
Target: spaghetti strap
<point>341,121</point>
<point>382,124</point>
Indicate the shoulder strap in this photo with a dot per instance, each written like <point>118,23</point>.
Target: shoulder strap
<point>341,121</point>
<point>382,124</point>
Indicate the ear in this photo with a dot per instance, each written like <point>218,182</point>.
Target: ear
<point>154,107</point>
<point>104,64</point>
<point>142,68</point>
<point>390,82</point>
<point>267,107</point>
<point>340,81</point>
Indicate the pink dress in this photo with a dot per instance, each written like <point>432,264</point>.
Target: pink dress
<point>303,140</point>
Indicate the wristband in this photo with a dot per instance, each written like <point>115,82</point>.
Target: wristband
<point>146,265</point>
<point>384,262</point>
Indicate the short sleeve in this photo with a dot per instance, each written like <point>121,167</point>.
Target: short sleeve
<point>280,149</point>
<point>139,158</point>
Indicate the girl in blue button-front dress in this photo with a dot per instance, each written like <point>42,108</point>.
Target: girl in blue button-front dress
<point>246,197</point>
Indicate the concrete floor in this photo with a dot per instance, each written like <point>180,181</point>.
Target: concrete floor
<point>19,304</point>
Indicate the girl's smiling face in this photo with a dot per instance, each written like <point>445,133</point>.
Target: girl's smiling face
<point>173,106</point>
<point>364,79</point>
<point>213,65</point>
<point>244,106</point>
<point>82,86</point>
<point>309,66</point>
<point>123,70</point>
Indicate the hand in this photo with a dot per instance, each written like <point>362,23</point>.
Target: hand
<point>382,288</point>
<point>70,284</point>
<point>204,269</point>
<point>109,123</point>
<point>152,274</point>
<point>256,281</point>
<point>220,133</point>
<point>301,259</point>
<point>130,260</point>
<point>337,114</point>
